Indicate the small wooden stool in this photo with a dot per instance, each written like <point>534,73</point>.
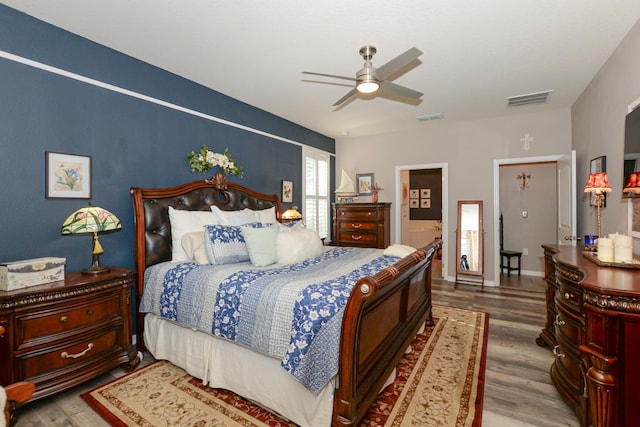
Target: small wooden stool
<point>508,255</point>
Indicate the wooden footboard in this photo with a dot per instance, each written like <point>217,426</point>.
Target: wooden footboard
<point>381,319</point>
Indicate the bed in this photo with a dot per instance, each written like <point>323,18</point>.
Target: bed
<point>383,313</point>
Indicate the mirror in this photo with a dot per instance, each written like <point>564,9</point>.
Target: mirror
<point>470,243</point>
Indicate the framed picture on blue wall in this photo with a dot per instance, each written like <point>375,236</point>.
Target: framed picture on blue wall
<point>287,191</point>
<point>68,176</point>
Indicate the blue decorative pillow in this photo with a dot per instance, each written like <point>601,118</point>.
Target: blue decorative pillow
<point>225,244</point>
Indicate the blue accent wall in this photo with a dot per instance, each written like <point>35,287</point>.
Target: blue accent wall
<point>132,142</point>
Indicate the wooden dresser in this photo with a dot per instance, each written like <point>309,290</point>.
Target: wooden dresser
<point>61,334</point>
<point>595,334</point>
<point>364,225</point>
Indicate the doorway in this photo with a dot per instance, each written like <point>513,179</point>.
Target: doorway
<point>423,225</point>
<point>564,193</point>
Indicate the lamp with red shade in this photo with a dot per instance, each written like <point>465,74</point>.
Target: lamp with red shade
<point>598,184</point>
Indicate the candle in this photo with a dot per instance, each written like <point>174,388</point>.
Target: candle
<point>623,251</point>
<point>605,249</point>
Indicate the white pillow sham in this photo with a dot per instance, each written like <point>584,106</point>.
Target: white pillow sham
<point>183,222</point>
<point>193,246</point>
<point>296,245</point>
<point>245,216</point>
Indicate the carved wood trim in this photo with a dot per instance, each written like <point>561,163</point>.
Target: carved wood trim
<point>62,293</point>
<point>612,302</point>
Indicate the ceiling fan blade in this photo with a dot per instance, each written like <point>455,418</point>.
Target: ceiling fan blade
<point>330,75</point>
<point>344,98</point>
<point>398,62</point>
<point>393,88</point>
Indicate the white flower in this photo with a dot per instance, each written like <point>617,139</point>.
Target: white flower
<point>211,158</point>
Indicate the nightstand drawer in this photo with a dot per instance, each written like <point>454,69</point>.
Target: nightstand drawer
<point>34,328</point>
<point>65,354</point>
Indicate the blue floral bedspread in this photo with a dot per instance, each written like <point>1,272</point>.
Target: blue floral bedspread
<point>293,312</point>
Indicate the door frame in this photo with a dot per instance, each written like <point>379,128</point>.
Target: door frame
<point>444,167</point>
<point>496,200</point>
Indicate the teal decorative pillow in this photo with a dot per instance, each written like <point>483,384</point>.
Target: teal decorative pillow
<point>261,244</point>
<point>225,244</point>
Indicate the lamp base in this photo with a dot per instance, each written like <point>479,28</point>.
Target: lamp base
<point>95,268</point>
<point>92,270</point>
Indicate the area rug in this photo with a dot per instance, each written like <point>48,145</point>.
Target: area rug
<point>439,383</point>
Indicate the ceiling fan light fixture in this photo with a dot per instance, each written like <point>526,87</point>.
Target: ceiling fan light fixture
<point>367,80</point>
<point>368,86</point>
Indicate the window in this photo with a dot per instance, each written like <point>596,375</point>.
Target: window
<point>316,190</point>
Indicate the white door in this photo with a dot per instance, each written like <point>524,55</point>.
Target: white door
<point>567,200</point>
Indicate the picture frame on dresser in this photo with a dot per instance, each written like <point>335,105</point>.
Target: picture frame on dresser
<point>364,181</point>
<point>67,176</point>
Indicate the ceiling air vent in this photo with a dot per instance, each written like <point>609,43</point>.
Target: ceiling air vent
<point>426,117</point>
<point>532,98</point>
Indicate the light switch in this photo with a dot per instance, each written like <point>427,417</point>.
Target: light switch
<point>525,214</point>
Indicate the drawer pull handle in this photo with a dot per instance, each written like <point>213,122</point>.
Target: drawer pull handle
<point>66,355</point>
<point>356,236</point>
<point>63,319</point>
<point>356,225</point>
<point>567,295</point>
<point>557,353</point>
<point>89,312</point>
<point>559,322</point>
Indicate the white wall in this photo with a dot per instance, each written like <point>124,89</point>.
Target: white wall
<point>469,148</point>
<point>598,130</point>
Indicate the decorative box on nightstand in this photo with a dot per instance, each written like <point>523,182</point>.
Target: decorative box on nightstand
<point>61,334</point>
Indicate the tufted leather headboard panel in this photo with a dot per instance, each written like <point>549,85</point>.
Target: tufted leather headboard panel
<point>151,213</point>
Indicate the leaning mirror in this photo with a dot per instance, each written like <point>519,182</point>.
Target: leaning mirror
<point>470,243</point>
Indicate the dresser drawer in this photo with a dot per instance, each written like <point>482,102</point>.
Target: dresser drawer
<point>37,327</point>
<point>569,296</point>
<point>570,328</point>
<point>355,214</point>
<point>358,226</point>
<point>356,237</point>
<point>65,355</point>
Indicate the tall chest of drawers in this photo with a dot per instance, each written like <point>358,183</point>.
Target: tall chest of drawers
<point>364,225</point>
<point>61,334</point>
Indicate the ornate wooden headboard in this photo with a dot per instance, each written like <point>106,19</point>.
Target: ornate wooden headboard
<point>152,229</point>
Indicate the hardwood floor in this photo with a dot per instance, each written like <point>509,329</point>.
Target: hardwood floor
<point>518,389</point>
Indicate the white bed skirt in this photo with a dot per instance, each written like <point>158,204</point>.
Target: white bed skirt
<point>222,364</point>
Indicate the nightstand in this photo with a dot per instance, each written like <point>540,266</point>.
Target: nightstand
<point>64,333</point>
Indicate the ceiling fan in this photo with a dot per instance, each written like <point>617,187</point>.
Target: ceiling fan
<point>370,79</point>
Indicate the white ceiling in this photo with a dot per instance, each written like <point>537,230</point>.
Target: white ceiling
<point>475,53</point>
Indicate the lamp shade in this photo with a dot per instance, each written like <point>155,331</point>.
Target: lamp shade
<point>598,182</point>
<point>92,219</point>
<point>291,214</point>
<point>633,186</point>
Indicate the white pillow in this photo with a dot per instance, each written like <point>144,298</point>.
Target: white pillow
<point>267,216</point>
<point>297,245</point>
<point>261,244</point>
<point>193,245</point>
<point>245,216</point>
<point>183,222</point>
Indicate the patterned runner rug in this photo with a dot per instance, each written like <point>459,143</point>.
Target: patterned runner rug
<point>440,383</point>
